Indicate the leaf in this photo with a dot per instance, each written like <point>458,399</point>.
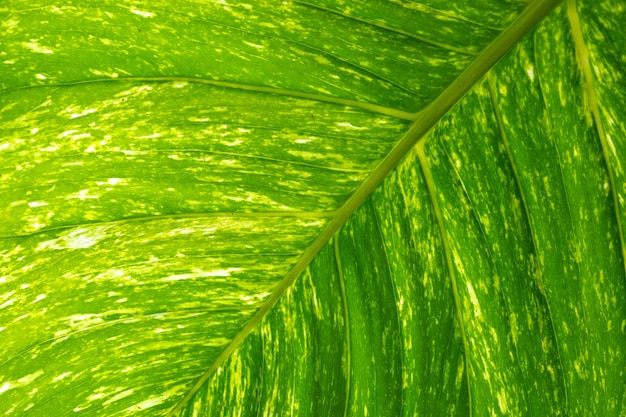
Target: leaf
<point>168,171</point>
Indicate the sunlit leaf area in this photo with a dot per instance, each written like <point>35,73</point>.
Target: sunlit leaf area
<point>315,208</point>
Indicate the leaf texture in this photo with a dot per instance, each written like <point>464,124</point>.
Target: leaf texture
<point>166,168</point>
<point>534,243</point>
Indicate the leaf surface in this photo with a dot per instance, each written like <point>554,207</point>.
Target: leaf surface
<point>169,170</point>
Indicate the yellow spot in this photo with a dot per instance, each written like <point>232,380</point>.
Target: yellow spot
<point>474,300</point>
<point>530,70</point>
<point>350,125</point>
<point>502,401</point>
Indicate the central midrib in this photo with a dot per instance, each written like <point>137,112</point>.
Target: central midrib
<point>423,122</point>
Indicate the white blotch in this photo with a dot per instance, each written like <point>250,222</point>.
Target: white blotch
<point>84,320</point>
<point>82,195</point>
<point>114,181</point>
<point>109,74</point>
<point>34,130</point>
<point>37,204</point>
<point>254,45</point>
<point>350,125</point>
<point>40,77</point>
<point>60,377</point>
<point>142,13</point>
<point>234,143</point>
<point>180,84</point>
<point>5,387</point>
<point>79,238</point>
<point>67,133</point>
<point>35,47</point>
<point>83,113</point>
<point>40,297</point>
<point>154,401</point>
<point>4,146</point>
<point>302,141</point>
<point>152,136</point>
<point>530,70</point>
<point>200,274</point>
<point>30,377</point>
<point>79,241</point>
<point>255,298</point>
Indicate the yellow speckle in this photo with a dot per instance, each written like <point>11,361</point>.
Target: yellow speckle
<point>530,70</point>
<point>474,300</point>
<point>502,401</point>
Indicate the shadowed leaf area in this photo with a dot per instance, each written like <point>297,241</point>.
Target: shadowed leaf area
<point>314,208</point>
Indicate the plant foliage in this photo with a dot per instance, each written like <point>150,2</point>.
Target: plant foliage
<point>312,208</point>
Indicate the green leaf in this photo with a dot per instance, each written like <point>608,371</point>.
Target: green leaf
<point>312,208</point>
